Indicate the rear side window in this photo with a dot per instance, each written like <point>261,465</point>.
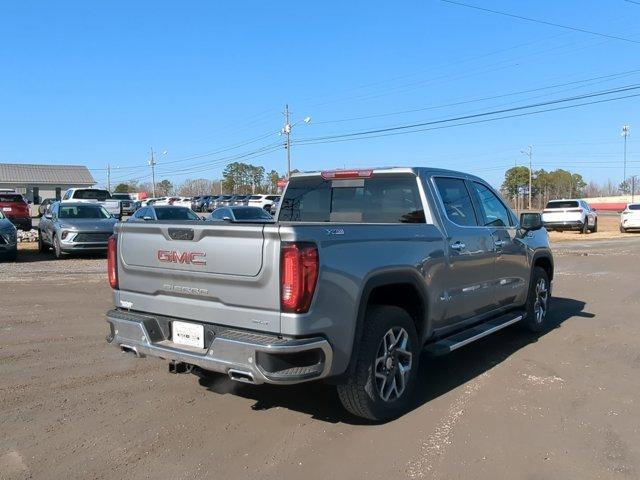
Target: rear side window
<point>11,198</point>
<point>634,207</point>
<point>457,201</point>
<point>563,204</point>
<point>493,211</point>
<point>100,195</point>
<point>380,199</point>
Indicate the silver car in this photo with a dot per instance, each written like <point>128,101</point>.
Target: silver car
<point>8,239</point>
<point>239,214</point>
<point>74,228</point>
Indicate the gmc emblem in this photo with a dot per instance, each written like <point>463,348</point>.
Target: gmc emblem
<point>191,258</point>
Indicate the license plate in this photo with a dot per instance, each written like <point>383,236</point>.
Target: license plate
<point>6,209</point>
<point>190,334</point>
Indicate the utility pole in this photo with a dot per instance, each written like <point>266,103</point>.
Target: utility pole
<point>109,177</point>
<point>529,153</point>
<point>633,188</point>
<point>625,133</point>
<point>286,130</point>
<point>152,164</point>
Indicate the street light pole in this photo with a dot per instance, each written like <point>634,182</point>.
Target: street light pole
<point>625,133</point>
<point>109,177</point>
<point>286,130</point>
<point>529,152</point>
<point>152,164</point>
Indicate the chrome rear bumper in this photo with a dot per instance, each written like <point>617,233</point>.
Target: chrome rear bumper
<point>242,354</point>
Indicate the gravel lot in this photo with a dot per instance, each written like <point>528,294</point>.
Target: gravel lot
<point>560,406</point>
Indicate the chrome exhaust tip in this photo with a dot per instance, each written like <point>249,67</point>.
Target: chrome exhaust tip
<point>241,376</point>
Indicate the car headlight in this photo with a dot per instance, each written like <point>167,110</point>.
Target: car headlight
<point>64,234</point>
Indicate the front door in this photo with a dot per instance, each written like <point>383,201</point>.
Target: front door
<point>469,289</point>
<point>511,264</point>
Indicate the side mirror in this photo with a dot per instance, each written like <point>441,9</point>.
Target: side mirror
<point>530,221</point>
<point>147,218</point>
<point>226,219</point>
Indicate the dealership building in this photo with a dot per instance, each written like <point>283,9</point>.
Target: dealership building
<point>37,182</point>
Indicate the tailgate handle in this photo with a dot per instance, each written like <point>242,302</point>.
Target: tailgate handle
<point>181,233</point>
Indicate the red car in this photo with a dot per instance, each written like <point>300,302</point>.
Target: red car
<point>16,209</point>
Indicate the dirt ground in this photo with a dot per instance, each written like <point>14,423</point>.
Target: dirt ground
<point>563,405</point>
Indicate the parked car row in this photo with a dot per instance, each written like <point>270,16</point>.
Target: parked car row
<point>208,203</point>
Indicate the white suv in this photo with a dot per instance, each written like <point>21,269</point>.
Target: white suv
<point>262,201</point>
<point>570,214</point>
<point>630,218</point>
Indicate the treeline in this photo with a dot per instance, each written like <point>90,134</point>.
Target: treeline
<point>237,178</point>
<point>552,185</point>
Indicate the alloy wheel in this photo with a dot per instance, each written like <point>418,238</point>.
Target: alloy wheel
<point>542,298</point>
<point>393,364</point>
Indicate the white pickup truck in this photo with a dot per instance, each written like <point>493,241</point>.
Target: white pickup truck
<point>94,195</point>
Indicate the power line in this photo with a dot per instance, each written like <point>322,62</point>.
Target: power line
<point>466,117</point>
<point>454,104</point>
<point>543,22</point>
<point>440,127</point>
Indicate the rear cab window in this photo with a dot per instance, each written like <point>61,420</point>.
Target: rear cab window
<point>11,198</point>
<point>100,195</point>
<point>381,198</point>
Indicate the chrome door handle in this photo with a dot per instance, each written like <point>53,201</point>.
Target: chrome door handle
<point>458,246</point>
<point>499,243</point>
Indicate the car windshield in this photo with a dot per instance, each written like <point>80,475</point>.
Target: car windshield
<point>82,211</point>
<point>179,213</point>
<point>251,213</point>
<point>100,195</point>
<point>11,198</point>
<point>634,207</point>
<point>563,204</point>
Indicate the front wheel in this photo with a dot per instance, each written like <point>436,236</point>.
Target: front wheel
<point>41,246</point>
<point>386,366</point>
<point>538,301</point>
<point>57,248</point>
<point>622,229</point>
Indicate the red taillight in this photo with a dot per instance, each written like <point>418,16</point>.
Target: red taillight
<point>298,276</point>
<point>341,174</point>
<point>112,261</point>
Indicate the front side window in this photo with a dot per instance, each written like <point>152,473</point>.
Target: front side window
<point>379,199</point>
<point>220,213</point>
<point>456,201</point>
<point>492,210</point>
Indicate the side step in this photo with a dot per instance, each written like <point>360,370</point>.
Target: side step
<point>453,342</point>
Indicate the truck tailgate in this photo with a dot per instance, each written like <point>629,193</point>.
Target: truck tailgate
<point>209,272</point>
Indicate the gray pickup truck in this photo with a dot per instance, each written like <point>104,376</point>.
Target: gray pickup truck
<point>360,272</point>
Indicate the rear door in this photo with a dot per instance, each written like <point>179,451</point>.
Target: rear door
<point>511,263</point>
<point>204,271</point>
<point>469,250</point>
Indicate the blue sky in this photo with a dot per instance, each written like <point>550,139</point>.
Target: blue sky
<point>101,82</point>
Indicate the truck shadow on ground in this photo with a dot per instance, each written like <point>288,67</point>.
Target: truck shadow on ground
<point>437,375</point>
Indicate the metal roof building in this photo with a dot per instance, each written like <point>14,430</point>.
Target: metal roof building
<point>37,182</point>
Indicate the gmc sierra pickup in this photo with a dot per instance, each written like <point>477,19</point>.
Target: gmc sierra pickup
<point>359,272</point>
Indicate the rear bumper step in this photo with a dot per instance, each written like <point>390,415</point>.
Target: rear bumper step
<point>453,342</point>
<point>245,356</point>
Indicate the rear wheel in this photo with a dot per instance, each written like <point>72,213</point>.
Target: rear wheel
<point>622,229</point>
<point>538,301</point>
<point>585,226</point>
<point>594,229</point>
<point>385,373</point>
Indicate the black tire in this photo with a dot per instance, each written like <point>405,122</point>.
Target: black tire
<point>622,229</point>
<point>57,248</point>
<point>10,256</point>
<point>361,394</point>
<point>535,321</point>
<point>594,229</point>
<point>585,227</point>
<point>42,248</point>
